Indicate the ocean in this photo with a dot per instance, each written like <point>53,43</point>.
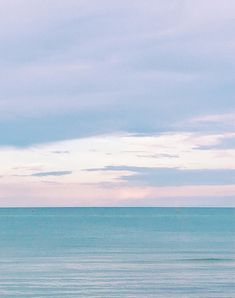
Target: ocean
<point>117,252</point>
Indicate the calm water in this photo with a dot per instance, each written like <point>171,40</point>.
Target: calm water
<point>117,252</point>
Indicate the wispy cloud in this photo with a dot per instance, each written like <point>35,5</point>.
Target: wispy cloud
<point>52,173</point>
<point>172,176</point>
<point>60,152</point>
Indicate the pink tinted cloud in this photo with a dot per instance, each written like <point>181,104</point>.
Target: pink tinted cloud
<point>71,194</point>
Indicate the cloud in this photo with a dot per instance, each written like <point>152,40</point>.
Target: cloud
<point>210,123</point>
<point>122,177</point>
<point>181,151</point>
<point>73,194</point>
<point>60,152</point>
<point>226,143</point>
<point>187,201</point>
<point>83,68</point>
<point>172,176</point>
<point>53,173</point>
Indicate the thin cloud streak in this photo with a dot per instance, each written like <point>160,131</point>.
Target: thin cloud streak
<point>52,173</point>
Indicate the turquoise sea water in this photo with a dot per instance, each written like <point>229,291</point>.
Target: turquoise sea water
<point>117,252</point>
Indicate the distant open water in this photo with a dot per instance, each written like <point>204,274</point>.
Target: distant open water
<point>117,252</point>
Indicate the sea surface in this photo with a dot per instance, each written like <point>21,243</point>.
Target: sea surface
<point>117,252</point>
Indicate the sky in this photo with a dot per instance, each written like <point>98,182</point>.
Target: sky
<point>117,103</point>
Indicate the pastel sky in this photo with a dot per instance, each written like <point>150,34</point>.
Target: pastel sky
<point>117,103</point>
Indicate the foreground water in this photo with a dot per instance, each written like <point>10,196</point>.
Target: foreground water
<point>117,252</point>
